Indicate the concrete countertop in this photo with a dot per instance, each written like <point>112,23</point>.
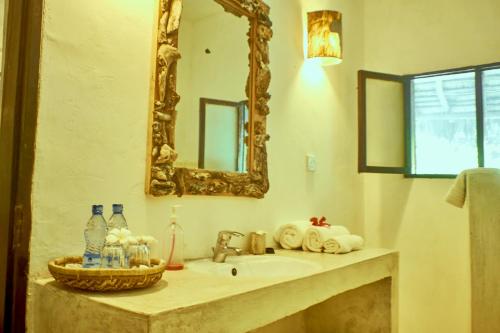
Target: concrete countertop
<point>186,301</point>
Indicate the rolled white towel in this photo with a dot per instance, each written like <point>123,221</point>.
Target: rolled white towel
<point>315,237</point>
<point>290,235</point>
<point>343,244</point>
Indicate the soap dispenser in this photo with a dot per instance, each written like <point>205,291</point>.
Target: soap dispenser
<point>174,243</point>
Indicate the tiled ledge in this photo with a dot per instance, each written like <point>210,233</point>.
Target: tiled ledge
<point>191,302</point>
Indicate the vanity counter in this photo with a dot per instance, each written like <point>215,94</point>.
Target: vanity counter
<point>185,301</point>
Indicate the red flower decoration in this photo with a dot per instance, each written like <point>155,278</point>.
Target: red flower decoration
<point>319,222</point>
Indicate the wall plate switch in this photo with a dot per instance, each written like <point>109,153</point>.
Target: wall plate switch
<point>311,162</point>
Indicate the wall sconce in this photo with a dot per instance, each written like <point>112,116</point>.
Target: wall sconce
<point>324,36</point>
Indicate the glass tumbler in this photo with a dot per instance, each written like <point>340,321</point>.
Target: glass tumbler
<point>112,256</point>
<point>139,254</point>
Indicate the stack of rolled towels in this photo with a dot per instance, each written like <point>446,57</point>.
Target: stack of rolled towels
<point>326,238</point>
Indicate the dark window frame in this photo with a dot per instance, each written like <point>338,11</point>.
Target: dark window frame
<point>409,139</point>
<point>362,125</point>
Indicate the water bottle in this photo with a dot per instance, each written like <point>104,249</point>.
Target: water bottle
<point>95,238</point>
<point>117,220</point>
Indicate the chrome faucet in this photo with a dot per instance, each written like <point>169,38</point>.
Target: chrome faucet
<point>221,249</point>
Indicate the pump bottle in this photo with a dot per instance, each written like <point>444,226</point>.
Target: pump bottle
<point>173,251</point>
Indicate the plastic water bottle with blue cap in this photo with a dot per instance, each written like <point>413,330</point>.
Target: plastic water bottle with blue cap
<point>95,238</point>
<point>117,220</point>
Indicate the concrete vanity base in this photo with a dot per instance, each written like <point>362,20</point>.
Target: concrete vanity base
<point>355,292</point>
<point>366,309</point>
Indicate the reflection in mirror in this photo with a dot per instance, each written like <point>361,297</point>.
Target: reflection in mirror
<point>222,135</point>
<point>214,66</point>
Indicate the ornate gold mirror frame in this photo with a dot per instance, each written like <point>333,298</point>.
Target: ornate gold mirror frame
<point>163,178</point>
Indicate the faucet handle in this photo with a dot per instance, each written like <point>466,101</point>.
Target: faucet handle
<point>233,233</point>
<point>226,234</point>
<point>221,247</point>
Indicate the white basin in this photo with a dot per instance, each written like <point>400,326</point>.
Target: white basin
<point>262,266</point>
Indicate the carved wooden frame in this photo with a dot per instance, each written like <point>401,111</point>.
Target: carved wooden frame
<point>163,178</point>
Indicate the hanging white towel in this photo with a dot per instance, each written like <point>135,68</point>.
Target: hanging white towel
<point>457,193</point>
<point>290,235</point>
<point>315,237</point>
<point>481,186</point>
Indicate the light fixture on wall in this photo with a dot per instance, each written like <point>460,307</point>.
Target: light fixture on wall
<point>324,36</point>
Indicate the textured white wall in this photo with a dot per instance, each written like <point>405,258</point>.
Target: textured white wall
<point>404,37</point>
<point>91,139</point>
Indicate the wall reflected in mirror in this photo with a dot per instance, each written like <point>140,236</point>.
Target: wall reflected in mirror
<point>222,135</point>
<point>214,67</point>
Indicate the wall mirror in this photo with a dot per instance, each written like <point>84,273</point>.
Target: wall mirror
<point>207,131</point>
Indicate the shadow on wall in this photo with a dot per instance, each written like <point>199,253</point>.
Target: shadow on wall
<point>394,196</point>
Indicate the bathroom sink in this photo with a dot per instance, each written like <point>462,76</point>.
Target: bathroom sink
<point>264,266</point>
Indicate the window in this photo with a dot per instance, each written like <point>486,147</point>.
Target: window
<point>443,109</point>
<point>431,124</point>
<point>491,107</point>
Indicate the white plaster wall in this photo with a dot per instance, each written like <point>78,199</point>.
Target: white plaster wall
<point>91,134</point>
<point>91,137</point>
<point>404,37</point>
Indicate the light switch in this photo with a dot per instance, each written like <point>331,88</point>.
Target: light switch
<point>311,162</point>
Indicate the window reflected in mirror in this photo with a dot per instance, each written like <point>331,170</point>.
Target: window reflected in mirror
<point>222,135</point>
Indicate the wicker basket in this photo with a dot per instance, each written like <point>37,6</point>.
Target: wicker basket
<point>104,279</point>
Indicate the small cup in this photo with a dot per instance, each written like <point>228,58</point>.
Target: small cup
<point>112,256</point>
<point>258,242</point>
<point>138,254</point>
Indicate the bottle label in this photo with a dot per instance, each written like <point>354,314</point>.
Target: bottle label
<point>113,261</point>
<point>91,260</point>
